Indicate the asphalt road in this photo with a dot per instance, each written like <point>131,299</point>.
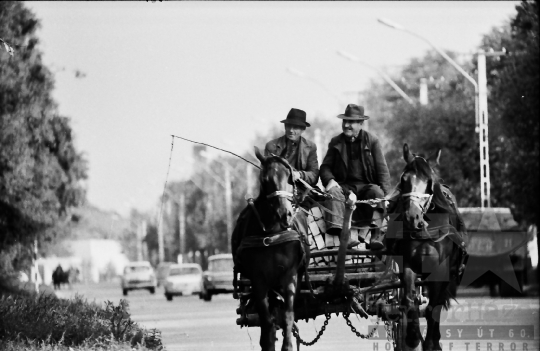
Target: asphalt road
<point>475,322</point>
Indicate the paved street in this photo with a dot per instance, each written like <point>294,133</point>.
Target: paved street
<point>188,323</point>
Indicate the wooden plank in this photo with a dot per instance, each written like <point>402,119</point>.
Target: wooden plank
<point>349,276</point>
<point>350,252</point>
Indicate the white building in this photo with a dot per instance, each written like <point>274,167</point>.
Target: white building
<point>95,258</point>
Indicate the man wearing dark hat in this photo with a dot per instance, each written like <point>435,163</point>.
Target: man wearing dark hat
<point>300,152</point>
<point>301,155</point>
<point>355,162</point>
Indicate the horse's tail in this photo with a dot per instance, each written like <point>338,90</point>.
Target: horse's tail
<point>449,293</point>
<point>459,261</point>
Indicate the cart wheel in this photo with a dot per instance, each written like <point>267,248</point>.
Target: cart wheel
<point>169,297</point>
<point>125,292</point>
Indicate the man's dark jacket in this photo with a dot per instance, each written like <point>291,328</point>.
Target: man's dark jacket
<point>334,165</point>
<point>308,165</point>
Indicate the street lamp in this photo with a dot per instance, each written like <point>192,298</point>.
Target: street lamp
<point>480,107</point>
<point>302,75</point>
<point>385,76</point>
<point>396,26</point>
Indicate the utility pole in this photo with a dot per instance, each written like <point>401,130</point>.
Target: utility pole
<point>140,236</point>
<point>483,131</point>
<point>182,226</point>
<point>161,244</point>
<point>226,184</point>
<point>35,271</point>
<point>481,115</point>
<point>485,185</point>
<point>228,203</point>
<point>145,232</point>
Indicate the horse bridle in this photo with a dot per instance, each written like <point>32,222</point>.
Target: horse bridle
<point>416,197</point>
<point>283,193</point>
<point>279,193</point>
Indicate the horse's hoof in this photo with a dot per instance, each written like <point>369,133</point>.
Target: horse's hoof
<point>431,347</point>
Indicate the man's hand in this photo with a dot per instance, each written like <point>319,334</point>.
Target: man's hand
<point>296,175</point>
<point>332,183</point>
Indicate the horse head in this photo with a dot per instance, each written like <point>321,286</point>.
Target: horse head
<point>417,187</point>
<point>277,186</point>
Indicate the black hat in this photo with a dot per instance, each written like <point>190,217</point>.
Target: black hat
<point>354,113</point>
<point>296,117</point>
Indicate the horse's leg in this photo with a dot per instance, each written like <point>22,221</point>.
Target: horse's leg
<point>436,291</point>
<point>266,319</point>
<point>290,292</point>
<point>412,337</point>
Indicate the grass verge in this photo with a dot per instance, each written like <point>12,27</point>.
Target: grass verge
<point>45,322</point>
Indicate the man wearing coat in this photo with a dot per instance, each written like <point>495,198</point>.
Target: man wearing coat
<point>355,162</point>
<point>297,150</point>
<point>301,155</point>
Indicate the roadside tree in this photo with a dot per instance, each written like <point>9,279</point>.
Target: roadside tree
<point>41,172</point>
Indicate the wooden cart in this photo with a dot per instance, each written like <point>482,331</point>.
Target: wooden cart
<point>342,281</point>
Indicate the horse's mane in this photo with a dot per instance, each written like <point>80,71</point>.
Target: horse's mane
<point>274,159</point>
<point>421,167</point>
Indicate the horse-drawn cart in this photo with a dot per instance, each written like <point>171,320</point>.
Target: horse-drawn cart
<point>340,281</point>
<point>329,279</point>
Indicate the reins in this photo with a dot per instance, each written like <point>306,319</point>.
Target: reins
<point>280,193</point>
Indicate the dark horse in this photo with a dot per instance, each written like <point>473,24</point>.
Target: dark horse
<point>60,276</point>
<point>269,253</point>
<point>430,244</point>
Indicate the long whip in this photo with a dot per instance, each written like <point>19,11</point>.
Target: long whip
<point>217,148</point>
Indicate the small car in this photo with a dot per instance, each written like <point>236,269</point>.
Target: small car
<point>218,278</point>
<point>183,279</point>
<point>139,275</point>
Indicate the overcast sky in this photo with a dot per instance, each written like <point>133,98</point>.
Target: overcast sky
<point>217,73</point>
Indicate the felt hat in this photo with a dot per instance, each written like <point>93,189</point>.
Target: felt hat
<point>354,113</point>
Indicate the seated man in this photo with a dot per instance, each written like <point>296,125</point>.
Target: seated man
<point>301,155</point>
<point>355,162</point>
<point>297,150</point>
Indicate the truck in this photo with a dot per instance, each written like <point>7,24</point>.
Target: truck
<point>497,248</point>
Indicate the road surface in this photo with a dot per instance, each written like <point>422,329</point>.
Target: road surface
<point>190,324</point>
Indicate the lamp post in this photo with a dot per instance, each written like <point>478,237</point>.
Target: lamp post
<point>226,184</point>
<point>302,75</point>
<point>385,76</point>
<point>318,139</point>
<point>480,106</point>
<point>181,202</point>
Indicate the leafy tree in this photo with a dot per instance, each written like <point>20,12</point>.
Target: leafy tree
<point>447,122</point>
<point>40,169</point>
<point>514,96</point>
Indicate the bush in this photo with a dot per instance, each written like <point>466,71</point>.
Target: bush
<point>18,345</point>
<point>47,320</point>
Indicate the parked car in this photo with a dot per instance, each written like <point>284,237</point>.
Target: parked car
<point>218,279</point>
<point>138,275</point>
<point>162,271</point>
<point>183,279</point>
